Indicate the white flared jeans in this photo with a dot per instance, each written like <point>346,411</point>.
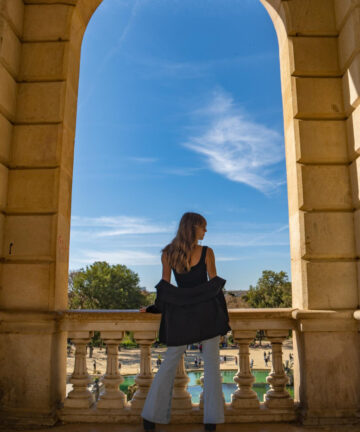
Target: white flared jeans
<point>157,407</point>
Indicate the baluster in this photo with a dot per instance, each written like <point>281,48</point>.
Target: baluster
<point>80,396</point>
<point>201,398</point>
<point>181,400</point>
<point>113,397</point>
<point>244,396</point>
<point>145,377</point>
<point>277,396</point>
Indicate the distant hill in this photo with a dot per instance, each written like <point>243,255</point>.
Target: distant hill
<point>237,293</point>
<point>234,299</point>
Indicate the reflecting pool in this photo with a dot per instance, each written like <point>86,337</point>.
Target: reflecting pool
<point>229,386</point>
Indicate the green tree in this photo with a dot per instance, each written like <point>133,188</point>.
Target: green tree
<point>273,290</point>
<point>105,286</point>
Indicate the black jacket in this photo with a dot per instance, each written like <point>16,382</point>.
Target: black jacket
<point>190,314</point>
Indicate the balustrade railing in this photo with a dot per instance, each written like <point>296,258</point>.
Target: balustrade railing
<point>112,404</point>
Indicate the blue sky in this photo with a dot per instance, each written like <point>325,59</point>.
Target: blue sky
<point>180,109</point>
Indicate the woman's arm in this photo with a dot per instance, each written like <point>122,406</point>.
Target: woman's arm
<point>210,263</point>
<point>166,270</point>
<point>166,275</point>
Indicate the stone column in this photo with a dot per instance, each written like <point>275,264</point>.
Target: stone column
<point>181,400</point>
<point>80,396</point>
<point>201,397</point>
<point>145,377</point>
<point>112,397</point>
<point>277,396</point>
<point>244,396</point>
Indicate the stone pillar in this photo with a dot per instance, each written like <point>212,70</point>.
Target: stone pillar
<point>277,396</point>
<point>80,396</point>
<point>145,377</point>
<point>320,82</point>
<point>39,65</point>
<point>181,400</point>
<point>201,397</point>
<point>244,396</point>
<point>112,397</point>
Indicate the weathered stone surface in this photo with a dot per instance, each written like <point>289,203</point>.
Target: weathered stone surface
<point>309,17</point>
<point>3,186</point>
<point>342,9</point>
<point>5,142</point>
<point>353,128</point>
<point>321,141</point>
<point>318,98</point>
<point>40,102</point>
<point>325,280</point>
<point>349,39</point>
<point>2,228</point>
<point>355,182</point>
<point>7,94</point>
<point>36,145</point>
<point>357,231</point>
<point>51,2</point>
<point>31,237</point>
<point>21,347</point>
<point>33,190</point>
<point>10,48</point>
<point>26,286</point>
<point>47,22</point>
<point>13,11</point>
<point>43,61</point>
<point>325,187</point>
<point>351,85</point>
<point>314,56</point>
<point>329,235</point>
<point>338,349</point>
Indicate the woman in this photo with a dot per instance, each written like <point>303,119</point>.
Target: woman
<point>195,312</point>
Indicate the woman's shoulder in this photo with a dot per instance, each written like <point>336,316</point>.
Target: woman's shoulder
<point>209,253</point>
<point>164,256</point>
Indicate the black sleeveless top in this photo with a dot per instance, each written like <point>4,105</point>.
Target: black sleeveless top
<point>195,276</point>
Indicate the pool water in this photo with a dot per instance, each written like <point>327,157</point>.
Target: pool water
<point>260,385</point>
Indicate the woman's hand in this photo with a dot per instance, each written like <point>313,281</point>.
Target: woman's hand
<point>142,309</point>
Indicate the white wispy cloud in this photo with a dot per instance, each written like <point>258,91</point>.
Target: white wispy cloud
<point>119,225</point>
<point>125,257</point>
<point>131,232</point>
<point>132,258</point>
<point>235,146</point>
<point>137,241</point>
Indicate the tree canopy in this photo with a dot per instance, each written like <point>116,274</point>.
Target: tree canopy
<point>105,286</point>
<point>273,290</point>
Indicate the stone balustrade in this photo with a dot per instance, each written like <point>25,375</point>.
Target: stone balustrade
<point>112,405</point>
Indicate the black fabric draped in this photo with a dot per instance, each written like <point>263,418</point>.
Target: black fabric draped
<point>193,311</point>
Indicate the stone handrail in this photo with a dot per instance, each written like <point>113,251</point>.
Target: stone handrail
<point>112,404</point>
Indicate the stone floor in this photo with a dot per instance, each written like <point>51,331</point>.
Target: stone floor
<point>277,427</point>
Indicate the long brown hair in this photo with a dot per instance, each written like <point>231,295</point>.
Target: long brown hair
<point>179,250</point>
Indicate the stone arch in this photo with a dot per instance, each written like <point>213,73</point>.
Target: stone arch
<point>319,46</point>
